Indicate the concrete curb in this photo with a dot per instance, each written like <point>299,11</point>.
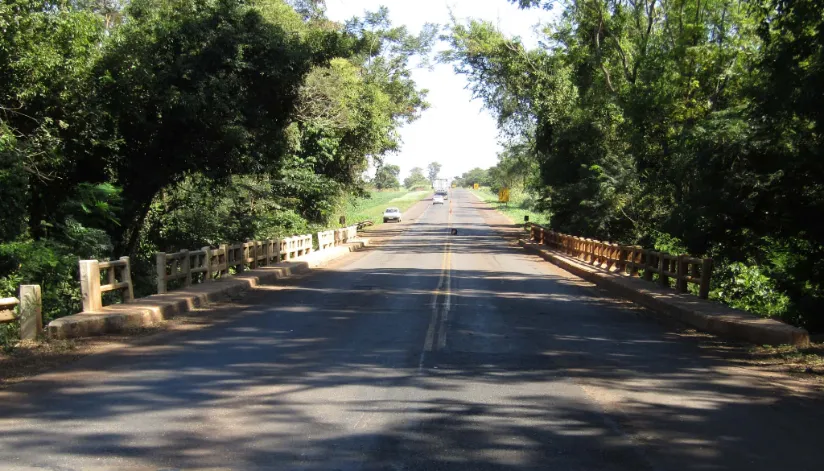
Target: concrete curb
<point>704,315</point>
<point>155,308</point>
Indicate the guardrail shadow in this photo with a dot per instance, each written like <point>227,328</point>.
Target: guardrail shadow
<point>330,376</point>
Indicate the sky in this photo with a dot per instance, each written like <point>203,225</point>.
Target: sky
<point>455,131</point>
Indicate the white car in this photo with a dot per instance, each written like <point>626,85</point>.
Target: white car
<point>392,214</point>
<point>437,199</point>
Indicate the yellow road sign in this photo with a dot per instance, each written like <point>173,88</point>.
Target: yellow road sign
<point>476,186</point>
<point>503,195</point>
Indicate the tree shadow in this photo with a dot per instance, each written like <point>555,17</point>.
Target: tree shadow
<point>536,372</point>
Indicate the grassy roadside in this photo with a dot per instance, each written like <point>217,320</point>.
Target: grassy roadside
<point>519,206</point>
<point>372,208</point>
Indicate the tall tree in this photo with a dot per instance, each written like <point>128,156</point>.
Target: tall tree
<point>433,170</point>
<point>689,126</point>
<point>416,179</point>
<point>386,177</point>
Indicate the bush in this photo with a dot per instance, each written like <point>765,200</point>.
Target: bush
<point>746,287</point>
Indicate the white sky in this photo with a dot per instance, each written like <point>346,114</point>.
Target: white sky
<point>455,130</point>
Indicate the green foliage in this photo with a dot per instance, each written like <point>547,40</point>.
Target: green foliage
<point>131,127</point>
<point>470,178</point>
<point>693,126</point>
<point>747,287</point>
<point>386,177</point>
<point>416,179</point>
<point>432,171</point>
<point>521,203</point>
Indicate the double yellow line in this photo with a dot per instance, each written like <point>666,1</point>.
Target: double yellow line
<point>440,311</point>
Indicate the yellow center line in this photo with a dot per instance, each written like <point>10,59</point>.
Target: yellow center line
<point>443,290</point>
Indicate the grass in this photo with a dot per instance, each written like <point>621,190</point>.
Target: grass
<point>362,209</point>
<point>808,360</point>
<point>519,205</point>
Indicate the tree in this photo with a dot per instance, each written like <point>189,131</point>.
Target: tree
<point>262,113</point>
<point>689,126</point>
<point>476,175</point>
<point>416,179</point>
<point>386,177</point>
<point>433,170</point>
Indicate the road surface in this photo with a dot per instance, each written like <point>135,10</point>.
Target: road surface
<point>430,352</point>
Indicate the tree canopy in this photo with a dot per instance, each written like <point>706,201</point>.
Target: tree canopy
<point>416,179</point>
<point>386,177</point>
<point>691,126</point>
<point>130,126</point>
<point>432,171</point>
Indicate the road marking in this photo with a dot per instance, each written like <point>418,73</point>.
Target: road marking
<point>440,311</point>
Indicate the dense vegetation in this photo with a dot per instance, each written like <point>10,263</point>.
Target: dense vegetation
<point>131,127</point>
<point>689,125</point>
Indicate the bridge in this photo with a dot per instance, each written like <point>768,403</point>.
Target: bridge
<point>428,351</point>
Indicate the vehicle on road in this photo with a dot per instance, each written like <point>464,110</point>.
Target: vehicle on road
<point>441,187</point>
<point>392,214</point>
<point>437,199</point>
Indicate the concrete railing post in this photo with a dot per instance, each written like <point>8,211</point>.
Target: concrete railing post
<point>126,275</point>
<point>186,268</point>
<point>706,275</point>
<point>239,253</point>
<point>682,273</point>
<point>663,265</point>
<point>31,312</point>
<point>207,264</point>
<point>649,255</point>
<point>224,252</point>
<point>160,257</point>
<point>90,285</point>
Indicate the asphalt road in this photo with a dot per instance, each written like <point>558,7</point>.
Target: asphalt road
<point>430,352</point>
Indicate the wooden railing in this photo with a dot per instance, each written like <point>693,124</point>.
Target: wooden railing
<point>296,246</point>
<point>7,307</point>
<point>344,234</point>
<point>29,311</point>
<point>326,239</point>
<point>117,277</point>
<point>211,263</point>
<point>631,260</point>
<point>200,266</point>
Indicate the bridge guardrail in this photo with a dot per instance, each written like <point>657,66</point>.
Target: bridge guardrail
<point>631,260</point>
<point>201,266</point>
<point>29,311</point>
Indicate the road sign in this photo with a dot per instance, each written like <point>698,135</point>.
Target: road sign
<point>503,195</point>
<point>476,186</point>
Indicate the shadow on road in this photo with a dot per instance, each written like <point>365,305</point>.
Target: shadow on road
<point>285,384</point>
<point>537,372</point>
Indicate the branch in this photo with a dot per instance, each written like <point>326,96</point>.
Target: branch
<point>598,51</point>
<point>623,59</point>
<point>650,16</point>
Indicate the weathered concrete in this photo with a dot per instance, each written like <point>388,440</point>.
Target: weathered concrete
<point>704,315</point>
<point>152,309</point>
